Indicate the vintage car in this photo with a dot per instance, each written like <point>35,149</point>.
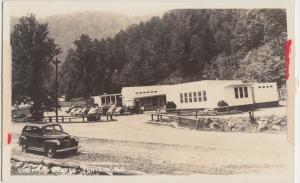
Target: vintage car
<point>48,138</point>
<point>94,114</point>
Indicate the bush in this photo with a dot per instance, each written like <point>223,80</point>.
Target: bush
<point>222,103</point>
<point>170,106</point>
<point>223,106</point>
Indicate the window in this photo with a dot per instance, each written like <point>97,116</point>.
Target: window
<point>259,87</point>
<point>267,86</point>
<point>246,92</point>
<point>241,92</point>
<point>236,93</point>
<point>190,97</point>
<point>195,96</point>
<point>36,131</point>
<point>199,96</point>
<point>48,130</point>
<point>263,86</point>
<point>204,96</point>
<point>107,100</point>
<point>137,93</point>
<point>181,98</point>
<point>27,129</point>
<point>185,98</point>
<point>57,130</point>
<point>271,86</point>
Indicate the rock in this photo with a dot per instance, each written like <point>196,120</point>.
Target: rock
<point>56,170</point>
<point>174,124</point>
<point>276,127</point>
<point>34,165</point>
<point>19,164</point>
<point>45,170</point>
<point>214,125</point>
<point>262,122</point>
<point>27,171</point>
<point>72,171</point>
<point>64,171</point>
<point>39,168</point>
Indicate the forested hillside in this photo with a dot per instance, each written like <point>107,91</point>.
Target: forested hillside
<point>66,28</point>
<point>181,46</point>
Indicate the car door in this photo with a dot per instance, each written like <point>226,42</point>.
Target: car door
<point>36,137</point>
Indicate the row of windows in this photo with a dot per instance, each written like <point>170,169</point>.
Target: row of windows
<point>268,86</point>
<point>241,92</point>
<point>146,92</point>
<point>193,97</point>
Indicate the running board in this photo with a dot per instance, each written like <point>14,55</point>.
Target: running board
<point>36,149</point>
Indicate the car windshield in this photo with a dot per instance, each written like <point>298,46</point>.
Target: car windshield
<point>52,130</point>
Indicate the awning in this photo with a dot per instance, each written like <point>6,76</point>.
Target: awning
<point>240,84</point>
<point>148,96</point>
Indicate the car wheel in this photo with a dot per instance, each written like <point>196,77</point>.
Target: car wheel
<point>50,152</point>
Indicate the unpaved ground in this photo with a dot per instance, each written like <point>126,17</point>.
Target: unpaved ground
<point>132,144</point>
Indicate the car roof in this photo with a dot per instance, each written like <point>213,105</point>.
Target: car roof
<point>40,125</point>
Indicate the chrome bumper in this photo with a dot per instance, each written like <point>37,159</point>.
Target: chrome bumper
<point>68,149</point>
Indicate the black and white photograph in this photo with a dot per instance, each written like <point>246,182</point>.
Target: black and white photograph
<point>108,88</point>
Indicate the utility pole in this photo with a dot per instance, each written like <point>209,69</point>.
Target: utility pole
<point>56,89</point>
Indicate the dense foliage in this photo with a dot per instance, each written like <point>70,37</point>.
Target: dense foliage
<point>181,46</point>
<point>32,52</point>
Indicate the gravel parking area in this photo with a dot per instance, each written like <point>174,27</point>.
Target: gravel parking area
<point>130,143</point>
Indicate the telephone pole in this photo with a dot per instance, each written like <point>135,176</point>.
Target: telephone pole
<point>56,62</point>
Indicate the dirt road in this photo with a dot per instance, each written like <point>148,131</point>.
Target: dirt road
<point>132,144</point>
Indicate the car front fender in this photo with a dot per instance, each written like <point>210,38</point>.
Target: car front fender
<point>56,142</point>
<point>22,139</point>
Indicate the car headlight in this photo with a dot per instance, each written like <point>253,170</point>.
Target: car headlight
<point>76,139</point>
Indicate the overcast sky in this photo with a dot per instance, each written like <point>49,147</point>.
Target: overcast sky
<point>48,8</point>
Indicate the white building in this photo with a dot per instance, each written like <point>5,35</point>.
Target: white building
<point>108,99</point>
<point>202,94</point>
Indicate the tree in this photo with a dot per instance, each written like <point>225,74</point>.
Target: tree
<point>32,52</point>
<point>80,68</point>
<point>264,64</point>
<point>182,46</point>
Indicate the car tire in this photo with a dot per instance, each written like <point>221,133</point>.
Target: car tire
<point>50,151</point>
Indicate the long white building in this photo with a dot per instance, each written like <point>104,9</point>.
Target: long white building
<point>202,94</point>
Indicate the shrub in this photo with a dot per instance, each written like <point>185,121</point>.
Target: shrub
<point>222,103</point>
<point>223,106</point>
<point>170,105</point>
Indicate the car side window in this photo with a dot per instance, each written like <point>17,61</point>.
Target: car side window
<point>36,131</point>
<point>48,130</point>
<point>27,129</point>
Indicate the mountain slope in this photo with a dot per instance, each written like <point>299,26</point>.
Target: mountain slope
<point>67,28</point>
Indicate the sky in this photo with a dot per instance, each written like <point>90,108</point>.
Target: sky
<point>48,8</point>
<point>43,8</point>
